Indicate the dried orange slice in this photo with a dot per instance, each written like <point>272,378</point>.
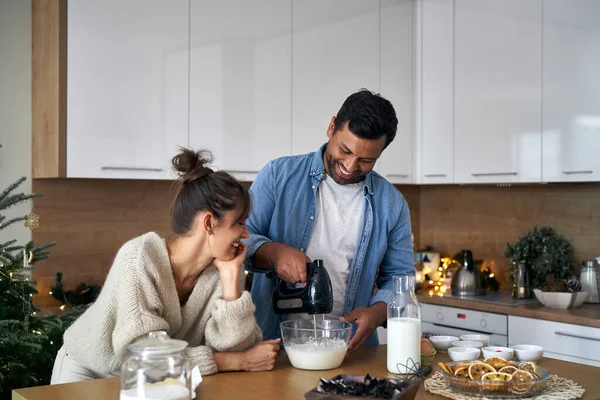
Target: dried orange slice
<point>522,375</point>
<point>496,362</point>
<point>529,366</point>
<point>463,372</point>
<point>509,369</point>
<point>463,365</point>
<point>446,369</point>
<point>496,377</point>
<point>477,370</point>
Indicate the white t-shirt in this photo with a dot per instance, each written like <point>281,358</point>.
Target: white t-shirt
<point>335,234</point>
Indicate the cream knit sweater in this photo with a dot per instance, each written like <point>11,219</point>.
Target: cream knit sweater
<point>139,296</point>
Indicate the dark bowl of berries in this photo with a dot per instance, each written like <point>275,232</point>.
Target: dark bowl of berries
<point>361,387</point>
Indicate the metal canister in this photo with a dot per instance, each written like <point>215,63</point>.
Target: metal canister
<point>590,281</point>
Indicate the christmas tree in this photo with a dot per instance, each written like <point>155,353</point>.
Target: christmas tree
<point>29,340</point>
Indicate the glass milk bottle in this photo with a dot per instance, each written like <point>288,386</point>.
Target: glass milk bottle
<point>403,327</point>
<point>157,368</point>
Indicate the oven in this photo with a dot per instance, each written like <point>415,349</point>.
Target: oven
<point>442,320</point>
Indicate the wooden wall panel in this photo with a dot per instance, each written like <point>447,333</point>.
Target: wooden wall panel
<point>485,218</point>
<point>90,220</point>
<point>49,88</point>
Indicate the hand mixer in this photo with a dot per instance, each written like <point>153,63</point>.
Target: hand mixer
<point>314,298</point>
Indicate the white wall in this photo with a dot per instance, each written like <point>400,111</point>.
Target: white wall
<point>15,107</point>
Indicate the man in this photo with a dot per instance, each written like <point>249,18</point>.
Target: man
<point>330,205</point>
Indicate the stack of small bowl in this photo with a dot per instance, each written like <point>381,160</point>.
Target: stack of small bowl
<point>471,347</point>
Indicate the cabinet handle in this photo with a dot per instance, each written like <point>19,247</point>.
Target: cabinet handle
<point>559,333</point>
<point>494,174</point>
<point>122,168</point>
<point>397,175</point>
<point>578,172</point>
<point>435,175</point>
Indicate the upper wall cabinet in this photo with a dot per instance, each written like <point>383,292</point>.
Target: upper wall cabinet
<point>126,87</point>
<point>435,91</point>
<point>498,59</point>
<point>335,53</point>
<point>396,77</point>
<point>240,82</point>
<point>571,90</point>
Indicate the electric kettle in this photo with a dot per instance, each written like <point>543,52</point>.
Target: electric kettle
<point>468,280</point>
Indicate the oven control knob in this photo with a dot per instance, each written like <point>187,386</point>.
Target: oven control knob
<point>483,323</point>
<point>440,317</point>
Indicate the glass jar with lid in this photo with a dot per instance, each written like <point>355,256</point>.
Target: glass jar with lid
<point>157,368</point>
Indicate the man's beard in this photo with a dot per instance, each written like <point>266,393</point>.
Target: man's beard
<point>357,176</point>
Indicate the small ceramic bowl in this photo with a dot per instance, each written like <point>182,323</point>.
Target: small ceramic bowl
<point>496,351</point>
<point>528,352</point>
<point>467,343</point>
<point>463,353</point>
<point>443,343</point>
<point>485,339</point>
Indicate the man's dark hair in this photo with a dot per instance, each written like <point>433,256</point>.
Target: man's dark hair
<point>369,116</point>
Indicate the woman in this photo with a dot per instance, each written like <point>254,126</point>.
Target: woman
<point>191,287</point>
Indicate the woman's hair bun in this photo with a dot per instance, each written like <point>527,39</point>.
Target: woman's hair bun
<point>191,165</point>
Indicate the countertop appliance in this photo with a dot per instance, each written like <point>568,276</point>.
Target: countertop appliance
<point>468,280</point>
<point>314,298</point>
<point>456,321</point>
<point>590,281</point>
<point>523,289</point>
<point>443,320</point>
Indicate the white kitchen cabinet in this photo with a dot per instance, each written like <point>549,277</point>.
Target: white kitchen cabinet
<point>571,91</point>
<point>127,87</point>
<point>435,91</point>
<point>568,342</point>
<point>498,62</point>
<point>240,82</point>
<point>396,163</point>
<point>335,53</point>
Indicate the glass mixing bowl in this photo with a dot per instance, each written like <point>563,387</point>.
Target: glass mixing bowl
<point>316,344</point>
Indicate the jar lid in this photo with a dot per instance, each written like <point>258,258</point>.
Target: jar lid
<point>588,264</point>
<point>157,343</point>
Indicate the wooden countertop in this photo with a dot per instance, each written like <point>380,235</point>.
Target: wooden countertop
<point>286,382</point>
<point>587,314</point>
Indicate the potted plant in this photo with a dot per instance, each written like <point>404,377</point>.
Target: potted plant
<point>551,258</point>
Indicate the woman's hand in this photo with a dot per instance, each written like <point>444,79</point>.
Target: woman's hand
<point>230,273</point>
<point>261,357</point>
<point>228,268</point>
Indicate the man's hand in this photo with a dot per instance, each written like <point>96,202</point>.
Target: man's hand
<point>367,319</point>
<point>289,263</point>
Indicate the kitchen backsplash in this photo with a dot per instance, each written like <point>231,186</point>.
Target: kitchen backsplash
<point>484,218</point>
<point>91,219</point>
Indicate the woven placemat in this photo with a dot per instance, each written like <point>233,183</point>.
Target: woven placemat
<point>558,389</point>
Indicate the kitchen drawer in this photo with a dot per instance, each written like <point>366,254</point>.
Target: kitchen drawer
<point>459,318</point>
<point>562,341</point>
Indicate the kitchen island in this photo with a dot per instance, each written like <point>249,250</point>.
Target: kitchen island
<point>286,382</point>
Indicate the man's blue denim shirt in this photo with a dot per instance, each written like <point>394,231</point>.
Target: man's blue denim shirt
<point>283,209</point>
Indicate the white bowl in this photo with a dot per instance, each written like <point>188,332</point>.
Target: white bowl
<point>463,353</point>
<point>560,299</point>
<point>485,339</point>
<point>528,352</point>
<point>467,343</point>
<point>497,351</point>
<point>443,343</point>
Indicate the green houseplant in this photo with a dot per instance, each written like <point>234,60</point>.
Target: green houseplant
<point>550,256</point>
